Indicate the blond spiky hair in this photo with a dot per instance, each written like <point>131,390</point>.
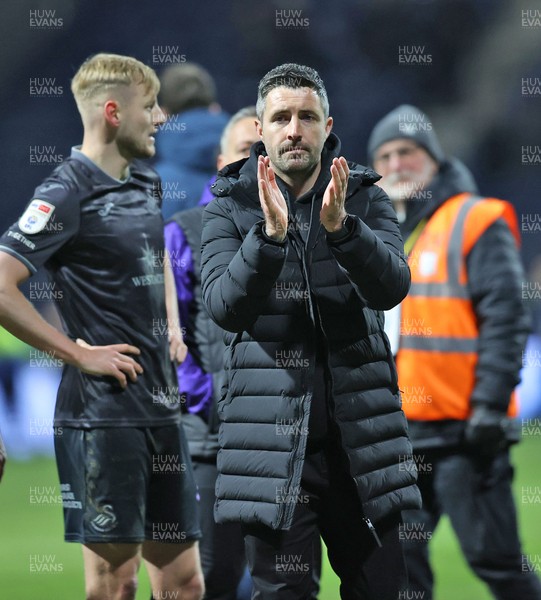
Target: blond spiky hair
<point>103,72</point>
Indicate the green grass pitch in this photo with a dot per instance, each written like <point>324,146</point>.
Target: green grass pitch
<point>36,564</point>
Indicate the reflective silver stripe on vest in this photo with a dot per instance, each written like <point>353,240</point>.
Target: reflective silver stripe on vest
<point>451,288</point>
<point>438,344</point>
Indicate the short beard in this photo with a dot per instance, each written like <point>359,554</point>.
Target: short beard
<point>305,164</point>
<point>406,185</point>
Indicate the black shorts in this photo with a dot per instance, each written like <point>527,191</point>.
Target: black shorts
<point>127,485</point>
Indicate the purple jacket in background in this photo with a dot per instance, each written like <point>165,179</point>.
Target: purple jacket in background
<point>192,380</point>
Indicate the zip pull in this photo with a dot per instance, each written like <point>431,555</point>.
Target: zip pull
<point>373,531</point>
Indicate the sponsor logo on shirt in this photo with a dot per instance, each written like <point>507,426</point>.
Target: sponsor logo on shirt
<point>149,267</point>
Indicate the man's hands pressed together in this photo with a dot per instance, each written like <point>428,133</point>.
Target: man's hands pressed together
<point>274,206</point>
<point>333,211</point>
<point>272,201</point>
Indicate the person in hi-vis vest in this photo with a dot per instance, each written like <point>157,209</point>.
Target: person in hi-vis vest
<point>458,338</point>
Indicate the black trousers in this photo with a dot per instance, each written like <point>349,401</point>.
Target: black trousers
<point>284,564</point>
<point>222,545</point>
<point>475,492</point>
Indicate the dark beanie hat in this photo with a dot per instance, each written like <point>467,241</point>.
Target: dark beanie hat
<point>410,123</point>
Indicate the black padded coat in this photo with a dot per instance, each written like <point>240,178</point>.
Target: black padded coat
<point>272,298</point>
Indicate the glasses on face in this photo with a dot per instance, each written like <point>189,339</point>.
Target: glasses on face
<point>401,152</point>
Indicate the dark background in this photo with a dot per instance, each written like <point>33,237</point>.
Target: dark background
<point>471,85</point>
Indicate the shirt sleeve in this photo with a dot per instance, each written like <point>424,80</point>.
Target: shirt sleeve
<point>50,220</point>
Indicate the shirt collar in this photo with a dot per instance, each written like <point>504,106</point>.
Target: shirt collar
<point>96,171</point>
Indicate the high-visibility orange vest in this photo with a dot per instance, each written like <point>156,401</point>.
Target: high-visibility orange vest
<point>438,329</point>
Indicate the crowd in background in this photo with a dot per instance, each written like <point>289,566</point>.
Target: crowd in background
<point>464,77</point>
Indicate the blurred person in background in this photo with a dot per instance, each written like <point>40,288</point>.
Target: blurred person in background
<point>200,375</point>
<point>529,390</point>
<point>188,142</point>
<point>13,361</point>
<point>300,253</point>
<point>118,410</point>
<point>3,456</point>
<point>458,339</point>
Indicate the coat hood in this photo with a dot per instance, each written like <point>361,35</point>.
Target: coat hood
<point>191,139</point>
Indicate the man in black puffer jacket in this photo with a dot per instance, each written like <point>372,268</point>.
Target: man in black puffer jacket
<point>300,253</point>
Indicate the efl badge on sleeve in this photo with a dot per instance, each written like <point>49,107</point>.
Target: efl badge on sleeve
<point>36,216</point>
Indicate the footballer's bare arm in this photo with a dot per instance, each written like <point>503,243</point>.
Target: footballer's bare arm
<point>20,318</point>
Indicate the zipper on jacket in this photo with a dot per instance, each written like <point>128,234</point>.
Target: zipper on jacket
<point>373,531</point>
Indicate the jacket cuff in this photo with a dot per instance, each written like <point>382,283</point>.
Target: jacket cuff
<point>345,233</point>
<point>261,226</point>
<point>499,405</point>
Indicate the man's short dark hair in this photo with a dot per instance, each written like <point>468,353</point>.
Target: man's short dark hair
<point>186,86</point>
<point>291,75</point>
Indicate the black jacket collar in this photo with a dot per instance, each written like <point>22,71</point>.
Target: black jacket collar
<point>240,178</point>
